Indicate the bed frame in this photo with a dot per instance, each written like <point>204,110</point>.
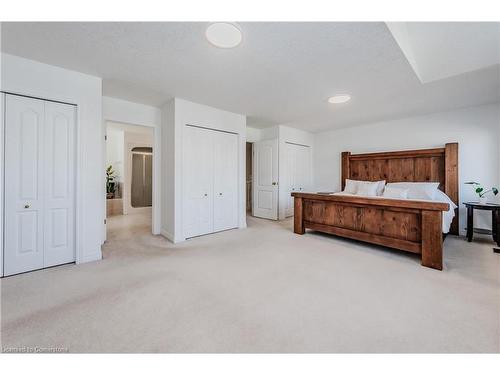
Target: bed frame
<point>413,226</point>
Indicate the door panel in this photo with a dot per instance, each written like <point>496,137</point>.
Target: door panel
<point>298,172</point>
<point>24,174</point>
<point>148,180</point>
<point>198,181</point>
<point>291,178</point>
<point>59,161</point>
<point>265,185</point>
<point>225,181</point>
<point>137,185</point>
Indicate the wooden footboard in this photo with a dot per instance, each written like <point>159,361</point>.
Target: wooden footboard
<point>413,226</point>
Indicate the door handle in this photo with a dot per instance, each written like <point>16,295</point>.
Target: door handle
<point>26,206</point>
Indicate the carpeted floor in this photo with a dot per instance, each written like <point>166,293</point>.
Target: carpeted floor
<point>260,289</point>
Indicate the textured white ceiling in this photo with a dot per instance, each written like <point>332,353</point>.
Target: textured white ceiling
<point>281,73</point>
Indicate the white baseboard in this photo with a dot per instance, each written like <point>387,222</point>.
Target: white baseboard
<point>169,236</point>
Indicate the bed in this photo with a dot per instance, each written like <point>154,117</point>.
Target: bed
<point>410,225</point>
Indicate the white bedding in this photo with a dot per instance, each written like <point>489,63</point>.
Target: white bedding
<point>440,197</point>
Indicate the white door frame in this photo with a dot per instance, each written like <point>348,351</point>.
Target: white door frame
<point>156,198</point>
<point>79,257</point>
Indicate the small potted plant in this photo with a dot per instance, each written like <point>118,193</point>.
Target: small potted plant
<point>110,182</point>
<point>479,190</point>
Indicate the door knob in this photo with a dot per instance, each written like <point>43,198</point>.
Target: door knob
<point>26,206</point>
<point>220,193</point>
<point>206,195</point>
<point>274,183</point>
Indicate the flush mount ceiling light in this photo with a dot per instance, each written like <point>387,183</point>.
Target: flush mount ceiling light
<point>224,34</point>
<point>337,99</point>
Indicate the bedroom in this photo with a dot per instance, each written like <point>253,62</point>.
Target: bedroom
<point>304,177</point>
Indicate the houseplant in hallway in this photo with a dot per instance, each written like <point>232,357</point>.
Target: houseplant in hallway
<point>480,191</point>
<point>110,182</point>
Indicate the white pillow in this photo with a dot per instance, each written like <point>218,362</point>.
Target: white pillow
<point>442,197</point>
<point>392,192</point>
<point>367,189</point>
<point>418,190</point>
<point>351,186</point>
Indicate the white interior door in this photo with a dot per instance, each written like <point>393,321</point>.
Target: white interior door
<point>24,203</point>
<point>198,169</point>
<point>225,181</point>
<point>59,184</point>
<point>290,176</point>
<point>265,181</point>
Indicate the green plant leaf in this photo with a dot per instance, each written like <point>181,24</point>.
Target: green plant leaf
<point>479,190</point>
<point>494,190</point>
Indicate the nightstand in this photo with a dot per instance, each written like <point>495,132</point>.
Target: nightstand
<point>495,220</point>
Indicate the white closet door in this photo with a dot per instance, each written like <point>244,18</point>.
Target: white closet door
<point>24,203</point>
<point>59,160</point>
<point>290,176</point>
<point>304,175</point>
<point>225,181</point>
<point>298,172</point>
<point>198,172</point>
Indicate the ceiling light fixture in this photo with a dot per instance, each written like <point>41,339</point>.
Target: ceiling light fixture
<point>337,99</point>
<point>224,34</point>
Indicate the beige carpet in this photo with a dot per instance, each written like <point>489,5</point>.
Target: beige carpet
<point>260,289</point>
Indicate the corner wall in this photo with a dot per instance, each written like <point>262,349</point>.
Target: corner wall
<point>31,78</point>
<point>175,115</point>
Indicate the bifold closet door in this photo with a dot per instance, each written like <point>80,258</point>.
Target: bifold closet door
<point>59,184</point>
<point>298,172</point>
<point>225,181</point>
<point>24,177</point>
<point>198,171</point>
<point>39,184</point>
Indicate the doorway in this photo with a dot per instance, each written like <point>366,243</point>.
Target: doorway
<point>129,180</point>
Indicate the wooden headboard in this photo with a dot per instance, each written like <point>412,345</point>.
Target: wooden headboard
<point>428,165</point>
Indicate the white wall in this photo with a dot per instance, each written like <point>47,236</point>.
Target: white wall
<point>27,77</point>
<point>253,134</point>
<point>126,112</point>
<point>2,99</point>
<point>175,115</point>
<point>476,129</point>
<point>169,162</point>
<point>114,151</point>
<point>119,110</point>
